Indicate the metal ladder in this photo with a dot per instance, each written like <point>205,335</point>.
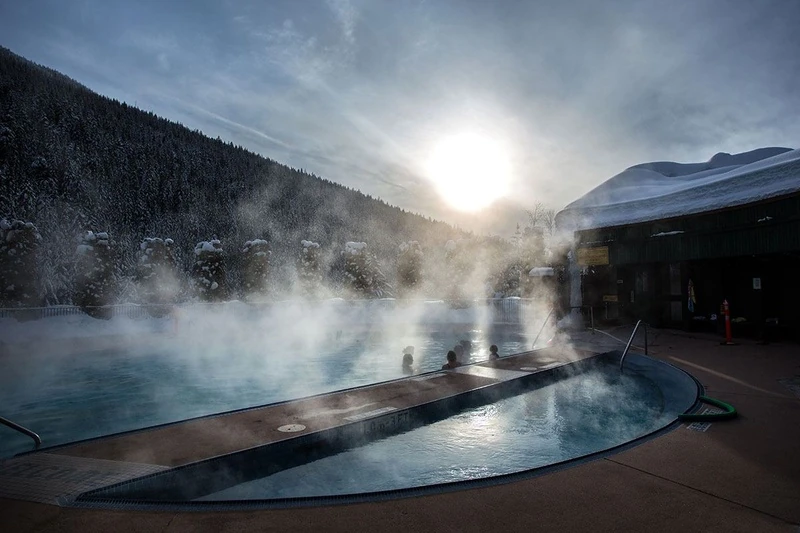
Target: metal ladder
<point>630,341</point>
<point>37,440</point>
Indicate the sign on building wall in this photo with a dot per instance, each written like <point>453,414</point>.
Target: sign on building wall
<point>595,255</point>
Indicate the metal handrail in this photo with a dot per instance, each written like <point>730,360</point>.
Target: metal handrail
<point>630,341</point>
<point>542,328</point>
<point>13,425</point>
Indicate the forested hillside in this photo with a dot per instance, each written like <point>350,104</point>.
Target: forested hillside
<point>72,161</point>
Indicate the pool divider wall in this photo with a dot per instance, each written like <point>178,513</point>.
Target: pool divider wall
<point>191,481</point>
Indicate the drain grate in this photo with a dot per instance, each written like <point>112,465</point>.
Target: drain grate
<point>292,428</point>
<point>703,426</point>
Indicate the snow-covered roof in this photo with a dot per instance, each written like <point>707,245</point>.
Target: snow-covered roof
<point>653,191</point>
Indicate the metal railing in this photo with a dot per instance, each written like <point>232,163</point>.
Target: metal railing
<point>630,341</point>
<point>533,347</point>
<point>37,441</point>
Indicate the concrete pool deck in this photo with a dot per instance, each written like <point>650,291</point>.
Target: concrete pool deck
<point>740,475</point>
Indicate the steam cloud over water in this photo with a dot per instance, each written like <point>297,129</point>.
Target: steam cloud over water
<point>97,377</point>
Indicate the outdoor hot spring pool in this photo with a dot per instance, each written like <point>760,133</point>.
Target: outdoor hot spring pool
<point>175,377</point>
<point>65,398</point>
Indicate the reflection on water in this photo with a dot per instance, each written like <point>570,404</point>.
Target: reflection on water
<point>568,419</point>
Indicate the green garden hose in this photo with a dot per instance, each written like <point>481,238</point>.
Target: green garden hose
<point>729,412</point>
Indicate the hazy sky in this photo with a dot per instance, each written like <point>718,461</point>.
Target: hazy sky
<point>358,91</point>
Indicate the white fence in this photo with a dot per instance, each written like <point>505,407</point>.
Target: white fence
<point>499,311</point>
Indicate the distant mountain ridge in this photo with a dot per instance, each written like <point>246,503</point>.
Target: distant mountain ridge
<point>72,160</point>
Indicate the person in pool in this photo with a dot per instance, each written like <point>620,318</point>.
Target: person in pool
<point>452,361</point>
<point>493,352</point>
<point>466,349</point>
<point>408,360</point>
<point>459,350</point>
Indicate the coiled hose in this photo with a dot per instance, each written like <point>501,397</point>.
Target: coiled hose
<point>728,413</point>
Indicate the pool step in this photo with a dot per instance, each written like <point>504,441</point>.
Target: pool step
<point>58,479</point>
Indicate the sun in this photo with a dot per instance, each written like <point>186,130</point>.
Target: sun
<point>470,171</point>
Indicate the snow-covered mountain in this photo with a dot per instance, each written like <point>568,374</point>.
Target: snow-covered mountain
<point>665,189</point>
<point>73,161</point>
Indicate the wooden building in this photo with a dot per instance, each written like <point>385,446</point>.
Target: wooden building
<point>676,257</point>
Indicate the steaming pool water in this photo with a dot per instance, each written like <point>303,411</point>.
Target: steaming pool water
<point>570,418</point>
<point>215,367</point>
<point>66,398</point>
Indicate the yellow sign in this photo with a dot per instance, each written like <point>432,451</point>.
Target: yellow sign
<point>596,255</point>
<point>610,298</point>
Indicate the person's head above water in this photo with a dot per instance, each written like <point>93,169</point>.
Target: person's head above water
<point>408,359</point>
<point>408,350</point>
<point>493,348</point>
<point>451,356</point>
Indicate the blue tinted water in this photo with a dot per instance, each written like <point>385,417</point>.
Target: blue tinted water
<point>71,397</point>
<point>574,417</point>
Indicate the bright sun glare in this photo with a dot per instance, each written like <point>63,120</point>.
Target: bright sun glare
<point>470,171</point>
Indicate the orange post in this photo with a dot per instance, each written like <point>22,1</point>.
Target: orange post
<point>727,312</point>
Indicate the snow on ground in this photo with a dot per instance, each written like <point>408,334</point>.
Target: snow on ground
<point>653,191</point>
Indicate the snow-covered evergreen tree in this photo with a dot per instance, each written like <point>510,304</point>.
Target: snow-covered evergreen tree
<point>509,280</point>
<point>95,272</point>
<point>309,269</point>
<point>157,273</point>
<point>409,268</point>
<point>457,268</point>
<point>363,275</point>
<point>357,276</point>
<point>255,265</point>
<point>208,272</point>
<point>19,243</point>
<point>381,288</point>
